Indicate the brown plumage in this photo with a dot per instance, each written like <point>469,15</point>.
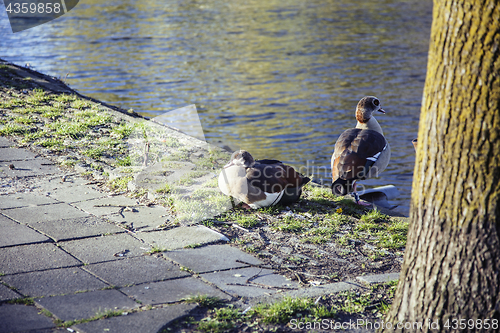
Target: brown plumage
<point>360,152</point>
<point>260,183</point>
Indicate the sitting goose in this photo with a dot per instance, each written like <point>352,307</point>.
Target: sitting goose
<point>260,183</point>
<point>361,152</point>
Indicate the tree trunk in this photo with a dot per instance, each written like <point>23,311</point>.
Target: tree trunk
<point>451,270</point>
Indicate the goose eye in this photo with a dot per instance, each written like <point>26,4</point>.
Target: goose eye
<point>376,102</point>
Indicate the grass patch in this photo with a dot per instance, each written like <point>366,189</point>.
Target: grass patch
<point>94,153</point>
<point>68,129</point>
<point>246,221</point>
<point>13,129</point>
<point>51,143</point>
<point>120,183</point>
<point>165,189</point>
<point>122,131</point>
<point>65,98</point>
<point>25,120</point>
<point>23,301</point>
<point>126,161</point>
<point>193,246</point>
<point>291,224</point>
<point>156,249</point>
<point>189,178</point>
<point>261,318</point>
<point>205,301</point>
<point>100,315</point>
<point>282,312</point>
<point>80,104</point>
<point>46,313</point>
<point>38,97</point>
<point>171,142</point>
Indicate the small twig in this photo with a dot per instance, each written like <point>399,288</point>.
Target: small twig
<point>115,194</point>
<point>121,206</point>
<point>253,265</point>
<point>246,310</point>
<point>259,285</point>
<point>234,225</point>
<point>314,275</point>
<point>254,277</point>
<point>146,155</point>
<point>94,182</point>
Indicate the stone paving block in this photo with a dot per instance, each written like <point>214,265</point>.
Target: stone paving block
<point>21,318</point>
<point>57,211</point>
<point>378,278</point>
<point>105,248</point>
<point>180,237</point>
<point>105,206</point>
<point>142,218</point>
<point>226,281</point>
<point>150,321</point>
<point>212,258</point>
<point>136,270</point>
<point>56,183</point>
<point>7,294</point>
<point>75,228</point>
<point>29,168</point>
<point>14,233</point>
<point>172,291</point>
<point>24,200</point>
<point>5,143</point>
<point>86,305</point>
<point>15,154</point>
<point>70,194</point>
<point>28,258</point>
<point>54,282</point>
<point>315,291</point>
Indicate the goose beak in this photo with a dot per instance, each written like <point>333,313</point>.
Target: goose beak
<point>381,110</point>
<point>228,165</point>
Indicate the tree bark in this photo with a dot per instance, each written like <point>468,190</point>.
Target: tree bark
<point>451,269</point>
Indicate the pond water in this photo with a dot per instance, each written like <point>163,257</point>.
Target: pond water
<point>280,79</point>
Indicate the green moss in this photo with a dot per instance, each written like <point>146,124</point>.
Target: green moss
<point>246,221</point>
<point>123,130</point>
<point>373,216</point>
<point>120,183</point>
<point>38,97</point>
<point>51,143</point>
<point>13,129</point>
<point>126,161</point>
<point>165,189</point>
<point>172,142</point>
<point>25,120</point>
<point>68,129</point>
<point>65,98</point>
<point>282,312</point>
<point>156,249</point>
<point>12,103</point>
<point>94,153</point>
<point>99,315</point>
<point>24,301</point>
<point>80,104</point>
<point>205,301</point>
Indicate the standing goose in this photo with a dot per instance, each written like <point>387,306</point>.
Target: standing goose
<point>260,183</point>
<point>361,152</point>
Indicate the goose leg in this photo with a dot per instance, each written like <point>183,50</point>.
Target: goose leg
<point>356,196</point>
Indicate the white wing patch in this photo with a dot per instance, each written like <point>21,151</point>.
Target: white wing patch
<point>270,200</point>
<point>377,155</point>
